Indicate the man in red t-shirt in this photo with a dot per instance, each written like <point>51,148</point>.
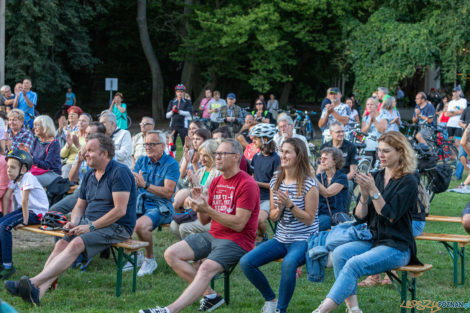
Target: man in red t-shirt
<point>232,207</point>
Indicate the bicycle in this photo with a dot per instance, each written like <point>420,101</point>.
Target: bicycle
<point>303,124</point>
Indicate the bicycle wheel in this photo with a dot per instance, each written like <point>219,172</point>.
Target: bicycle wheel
<point>426,178</point>
<point>363,166</point>
<point>129,122</point>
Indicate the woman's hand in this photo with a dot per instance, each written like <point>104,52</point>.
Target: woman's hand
<point>68,140</point>
<point>283,199</point>
<point>187,155</point>
<point>365,182</point>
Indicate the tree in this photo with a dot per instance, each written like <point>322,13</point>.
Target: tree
<point>157,77</point>
<point>46,38</point>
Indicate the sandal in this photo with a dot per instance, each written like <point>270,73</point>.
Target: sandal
<point>370,281</point>
<point>386,280</point>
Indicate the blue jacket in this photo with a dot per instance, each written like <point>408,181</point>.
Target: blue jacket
<point>321,244</point>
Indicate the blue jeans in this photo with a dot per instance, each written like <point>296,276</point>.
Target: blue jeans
<point>7,223</point>
<point>418,227</point>
<point>358,258</point>
<point>460,168</point>
<point>294,256</point>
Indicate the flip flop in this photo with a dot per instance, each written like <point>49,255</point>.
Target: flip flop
<point>369,282</point>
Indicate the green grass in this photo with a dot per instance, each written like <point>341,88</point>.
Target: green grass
<point>94,290</point>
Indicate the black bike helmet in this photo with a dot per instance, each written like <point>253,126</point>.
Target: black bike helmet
<point>24,157</point>
<point>53,220</point>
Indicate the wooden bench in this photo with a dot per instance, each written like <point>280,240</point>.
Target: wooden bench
<point>405,285</point>
<point>437,218</point>
<point>456,251</point>
<point>126,251</point>
<point>72,189</point>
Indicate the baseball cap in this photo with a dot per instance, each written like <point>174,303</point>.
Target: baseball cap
<point>456,89</point>
<point>334,90</point>
<point>231,96</point>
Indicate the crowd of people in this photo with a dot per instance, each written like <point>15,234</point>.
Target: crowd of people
<point>237,173</point>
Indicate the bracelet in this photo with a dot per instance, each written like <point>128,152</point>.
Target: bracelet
<point>363,202</point>
<point>291,207</point>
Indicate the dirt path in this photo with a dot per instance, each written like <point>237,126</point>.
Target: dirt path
<point>25,240</point>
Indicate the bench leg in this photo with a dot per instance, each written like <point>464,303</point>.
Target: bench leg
<point>456,263</point>
<point>404,289</point>
<point>462,264</point>
<point>119,271</point>
<point>413,293</point>
<point>134,271</point>
<point>227,288</point>
<point>456,253</point>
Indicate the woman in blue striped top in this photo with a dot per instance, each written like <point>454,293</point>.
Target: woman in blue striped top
<point>294,202</point>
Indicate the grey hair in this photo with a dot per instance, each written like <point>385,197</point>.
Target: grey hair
<point>4,89</point>
<point>16,113</point>
<point>236,147</point>
<point>110,117</point>
<point>285,118</point>
<point>150,119</point>
<point>161,135</point>
<point>383,89</point>
<point>336,154</point>
<point>47,123</point>
<point>388,103</point>
<point>336,123</point>
<point>374,100</point>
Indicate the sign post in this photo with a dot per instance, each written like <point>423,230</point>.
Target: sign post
<point>111,84</point>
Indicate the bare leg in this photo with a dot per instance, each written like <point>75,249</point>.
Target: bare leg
<point>351,301</point>
<point>466,222</point>
<point>143,229</point>
<point>180,196</point>
<point>177,257</point>
<point>328,305</point>
<point>193,292</point>
<point>58,264</point>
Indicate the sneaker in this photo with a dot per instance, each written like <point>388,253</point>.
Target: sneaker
<point>269,307</point>
<point>6,273</point>
<point>128,266</point>
<point>12,287</point>
<point>210,305</point>
<point>353,310</point>
<point>317,310</point>
<point>154,310</point>
<point>28,291</point>
<point>148,266</point>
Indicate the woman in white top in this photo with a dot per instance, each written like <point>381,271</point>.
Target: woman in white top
<point>294,202</point>
<point>390,113</point>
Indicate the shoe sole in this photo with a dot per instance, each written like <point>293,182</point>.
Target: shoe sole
<point>13,271</point>
<point>11,292</point>
<point>24,289</point>
<point>140,275</point>
<point>215,306</point>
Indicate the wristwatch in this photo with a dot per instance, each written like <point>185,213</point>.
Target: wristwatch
<point>376,196</point>
<point>92,227</point>
<point>147,185</point>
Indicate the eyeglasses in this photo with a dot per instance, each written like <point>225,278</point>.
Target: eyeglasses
<point>259,103</point>
<point>152,144</point>
<point>145,124</point>
<point>221,154</point>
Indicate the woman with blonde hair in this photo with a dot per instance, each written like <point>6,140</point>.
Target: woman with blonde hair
<point>390,113</point>
<point>185,222</point>
<point>386,202</point>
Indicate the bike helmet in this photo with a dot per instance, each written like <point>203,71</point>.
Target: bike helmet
<point>53,220</point>
<point>263,130</point>
<point>180,87</point>
<point>22,156</point>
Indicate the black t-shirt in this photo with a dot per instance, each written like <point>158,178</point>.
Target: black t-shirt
<point>349,154</point>
<point>3,99</point>
<point>264,168</point>
<point>324,103</point>
<point>465,117</point>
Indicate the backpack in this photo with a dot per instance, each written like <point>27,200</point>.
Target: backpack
<point>442,175</point>
<point>424,200</point>
<point>56,190</point>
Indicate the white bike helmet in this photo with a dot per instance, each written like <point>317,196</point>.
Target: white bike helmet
<point>263,130</point>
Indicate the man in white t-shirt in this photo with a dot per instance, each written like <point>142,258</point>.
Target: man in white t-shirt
<point>454,110</point>
<point>285,124</point>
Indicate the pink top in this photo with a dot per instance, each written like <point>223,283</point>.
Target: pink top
<point>204,106</point>
<point>4,180</point>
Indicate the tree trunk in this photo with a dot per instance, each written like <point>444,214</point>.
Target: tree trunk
<point>157,78</point>
<point>2,42</point>
<point>284,99</point>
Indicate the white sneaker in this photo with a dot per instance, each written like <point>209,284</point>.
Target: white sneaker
<point>128,266</point>
<point>269,307</point>
<point>148,266</point>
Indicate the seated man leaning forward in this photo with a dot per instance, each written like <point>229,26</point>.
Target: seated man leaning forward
<point>104,215</point>
<point>233,207</point>
<point>156,175</point>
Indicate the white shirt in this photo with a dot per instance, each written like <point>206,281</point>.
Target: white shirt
<point>37,200</point>
<point>122,147</point>
<point>453,106</point>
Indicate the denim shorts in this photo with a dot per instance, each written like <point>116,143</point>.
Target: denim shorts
<point>265,205</point>
<point>466,210</point>
<point>157,217</point>
<point>223,251</point>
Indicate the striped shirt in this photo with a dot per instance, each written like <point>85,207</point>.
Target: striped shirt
<point>289,228</point>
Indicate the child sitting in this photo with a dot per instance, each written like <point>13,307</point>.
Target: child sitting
<point>31,203</point>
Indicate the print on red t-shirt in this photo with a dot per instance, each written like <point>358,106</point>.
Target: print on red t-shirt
<point>239,191</point>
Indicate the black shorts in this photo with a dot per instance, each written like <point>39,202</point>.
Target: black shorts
<point>454,132</point>
<point>466,210</point>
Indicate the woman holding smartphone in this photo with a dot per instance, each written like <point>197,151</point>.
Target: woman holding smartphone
<point>386,203</point>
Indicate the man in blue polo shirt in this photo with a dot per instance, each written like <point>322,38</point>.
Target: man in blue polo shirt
<point>156,175</point>
<point>104,215</point>
<point>27,101</point>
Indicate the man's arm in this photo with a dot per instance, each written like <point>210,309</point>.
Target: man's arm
<point>6,201</point>
<point>78,211</point>
<point>166,191</point>
<point>236,222</point>
<point>352,171</point>
<point>342,119</point>
<point>120,200</point>
<point>30,103</point>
